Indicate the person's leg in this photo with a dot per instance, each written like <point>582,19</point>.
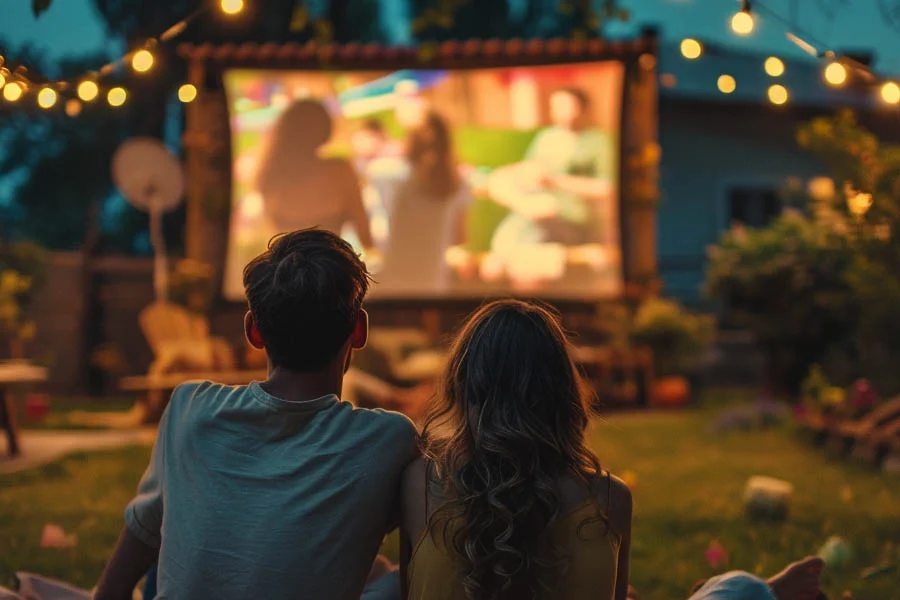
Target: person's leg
<point>798,581</point>
<point>736,585</point>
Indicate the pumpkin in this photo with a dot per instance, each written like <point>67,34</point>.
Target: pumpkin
<point>671,391</point>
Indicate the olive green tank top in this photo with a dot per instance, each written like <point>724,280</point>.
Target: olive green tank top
<point>591,548</point>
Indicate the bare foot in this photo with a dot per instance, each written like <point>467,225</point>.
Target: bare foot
<point>798,581</point>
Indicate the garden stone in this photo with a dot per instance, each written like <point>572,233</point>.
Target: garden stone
<point>767,498</point>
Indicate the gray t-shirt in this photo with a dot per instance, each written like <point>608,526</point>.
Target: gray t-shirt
<point>251,496</point>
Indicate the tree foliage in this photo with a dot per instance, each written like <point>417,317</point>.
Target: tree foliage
<point>822,286</point>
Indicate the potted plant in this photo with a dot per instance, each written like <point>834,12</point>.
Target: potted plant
<point>22,269</point>
<point>679,339</point>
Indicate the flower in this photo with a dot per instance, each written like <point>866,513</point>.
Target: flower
<point>716,555</point>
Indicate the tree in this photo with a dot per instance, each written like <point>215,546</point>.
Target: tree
<point>823,287</point>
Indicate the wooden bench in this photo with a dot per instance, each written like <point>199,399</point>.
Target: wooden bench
<point>602,365</point>
<point>360,388</point>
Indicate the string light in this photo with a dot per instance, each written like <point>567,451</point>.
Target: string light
<point>726,84</point>
<point>4,75</point>
<point>13,91</point>
<point>691,48</point>
<point>774,66</point>
<point>742,22</point>
<point>142,61</point>
<point>836,74</point>
<point>187,93</point>
<point>116,96</point>
<point>778,95</point>
<point>73,107</point>
<point>88,90</point>
<point>232,7</point>
<point>47,98</point>
<point>890,93</point>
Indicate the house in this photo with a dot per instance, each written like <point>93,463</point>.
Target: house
<point>725,157</point>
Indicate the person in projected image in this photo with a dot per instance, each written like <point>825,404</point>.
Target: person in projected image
<point>427,214</point>
<point>299,188</point>
<point>556,195</point>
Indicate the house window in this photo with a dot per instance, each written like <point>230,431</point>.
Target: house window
<point>752,206</point>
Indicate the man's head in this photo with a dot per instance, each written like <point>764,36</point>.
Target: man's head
<point>568,106</point>
<point>305,294</point>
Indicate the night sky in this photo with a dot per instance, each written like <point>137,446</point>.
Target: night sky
<point>70,26</point>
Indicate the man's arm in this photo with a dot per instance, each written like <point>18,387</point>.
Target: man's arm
<point>130,561</point>
<point>139,542</point>
<point>589,188</point>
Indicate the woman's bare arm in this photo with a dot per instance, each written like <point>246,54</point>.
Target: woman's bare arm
<point>620,512</point>
<point>413,518</point>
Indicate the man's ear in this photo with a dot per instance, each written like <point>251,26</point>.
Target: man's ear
<point>251,332</point>
<point>360,336</point>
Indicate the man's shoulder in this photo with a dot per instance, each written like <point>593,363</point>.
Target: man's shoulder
<point>195,393</point>
<point>388,422</point>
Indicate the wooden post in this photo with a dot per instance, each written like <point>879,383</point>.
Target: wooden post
<point>194,150</point>
<point>640,190</point>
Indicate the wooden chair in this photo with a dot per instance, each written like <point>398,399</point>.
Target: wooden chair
<point>182,348</point>
<point>180,341</point>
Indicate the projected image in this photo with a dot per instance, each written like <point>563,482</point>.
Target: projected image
<point>449,183</point>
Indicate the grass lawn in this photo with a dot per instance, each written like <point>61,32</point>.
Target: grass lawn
<point>688,492</point>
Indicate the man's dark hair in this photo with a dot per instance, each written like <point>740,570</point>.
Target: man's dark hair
<point>305,293</point>
<point>584,101</point>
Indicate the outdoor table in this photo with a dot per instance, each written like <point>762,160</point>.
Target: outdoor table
<point>13,373</point>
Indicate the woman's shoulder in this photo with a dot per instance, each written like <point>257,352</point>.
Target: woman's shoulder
<point>615,495</point>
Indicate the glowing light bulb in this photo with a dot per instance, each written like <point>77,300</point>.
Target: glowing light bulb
<point>232,7</point>
<point>187,93</point>
<point>47,98</point>
<point>3,75</point>
<point>836,74</point>
<point>73,107</point>
<point>742,23</point>
<point>890,92</point>
<point>778,95</point>
<point>88,90</point>
<point>116,96</point>
<point>727,84</point>
<point>13,91</point>
<point>142,61</point>
<point>691,48</point>
<point>774,66</point>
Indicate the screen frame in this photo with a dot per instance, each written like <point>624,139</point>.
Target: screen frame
<point>211,64</point>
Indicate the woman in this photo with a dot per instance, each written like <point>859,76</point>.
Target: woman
<point>427,213</point>
<point>299,188</point>
<point>508,501</point>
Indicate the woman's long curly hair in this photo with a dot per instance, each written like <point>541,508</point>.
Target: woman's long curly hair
<point>505,430</point>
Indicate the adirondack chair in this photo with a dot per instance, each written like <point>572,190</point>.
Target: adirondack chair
<point>181,341</point>
<point>845,433</point>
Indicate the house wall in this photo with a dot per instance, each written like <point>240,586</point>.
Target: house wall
<point>707,148</point>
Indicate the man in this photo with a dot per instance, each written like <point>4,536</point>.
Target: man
<point>275,489</point>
